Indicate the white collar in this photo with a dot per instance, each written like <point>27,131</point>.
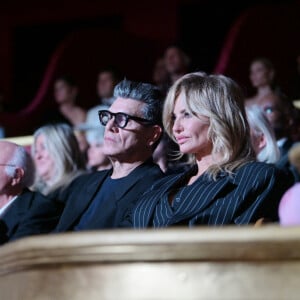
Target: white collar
<point>281,141</point>
<point>6,206</point>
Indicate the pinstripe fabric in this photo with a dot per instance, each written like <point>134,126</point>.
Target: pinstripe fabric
<point>254,191</point>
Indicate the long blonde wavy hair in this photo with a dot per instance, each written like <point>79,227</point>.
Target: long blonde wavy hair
<point>221,100</point>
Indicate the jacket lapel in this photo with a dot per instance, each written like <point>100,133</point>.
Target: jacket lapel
<point>80,199</point>
<point>17,209</point>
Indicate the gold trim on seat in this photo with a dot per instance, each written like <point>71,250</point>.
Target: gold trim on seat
<point>175,263</point>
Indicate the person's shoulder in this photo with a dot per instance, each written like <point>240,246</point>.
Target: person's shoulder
<point>260,175</point>
<point>265,172</point>
<point>83,180</point>
<point>257,169</point>
<point>38,201</point>
<point>148,174</point>
<point>148,168</point>
<point>256,165</point>
<point>36,195</point>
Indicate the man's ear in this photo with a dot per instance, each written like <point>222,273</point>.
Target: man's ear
<point>18,175</point>
<point>157,132</point>
<point>262,142</point>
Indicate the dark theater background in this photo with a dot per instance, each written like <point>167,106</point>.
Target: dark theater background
<point>43,39</point>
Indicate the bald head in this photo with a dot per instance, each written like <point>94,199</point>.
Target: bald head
<point>7,151</point>
<point>14,158</point>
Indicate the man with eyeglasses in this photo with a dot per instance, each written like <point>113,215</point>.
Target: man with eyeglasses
<point>133,128</point>
<point>16,200</point>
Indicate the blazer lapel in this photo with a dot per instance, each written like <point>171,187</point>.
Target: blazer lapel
<point>16,210</point>
<point>79,200</point>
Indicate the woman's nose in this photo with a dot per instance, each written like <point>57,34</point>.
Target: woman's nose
<point>177,126</point>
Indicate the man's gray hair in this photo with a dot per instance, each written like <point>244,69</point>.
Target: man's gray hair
<point>144,92</point>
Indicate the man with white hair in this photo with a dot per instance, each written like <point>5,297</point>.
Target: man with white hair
<point>16,200</point>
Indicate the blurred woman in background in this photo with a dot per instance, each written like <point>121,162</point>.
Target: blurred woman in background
<point>262,78</point>
<point>57,158</point>
<point>262,135</point>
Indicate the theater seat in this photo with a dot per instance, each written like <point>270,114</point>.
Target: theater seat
<point>175,263</point>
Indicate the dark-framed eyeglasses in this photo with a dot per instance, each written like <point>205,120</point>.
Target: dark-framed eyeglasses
<point>120,119</point>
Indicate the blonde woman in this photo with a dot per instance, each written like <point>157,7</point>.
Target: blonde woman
<point>57,157</point>
<point>205,116</point>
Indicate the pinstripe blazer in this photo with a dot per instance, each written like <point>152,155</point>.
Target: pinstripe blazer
<point>252,192</point>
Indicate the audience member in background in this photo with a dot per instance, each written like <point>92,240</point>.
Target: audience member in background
<point>289,207</point>
<point>107,80</point>
<point>277,108</point>
<point>280,113</point>
<point>57,158</point>
<point>262,74</point>
<point>97,160</point>
<point>177,62</point>
<point>86,131</point>
<point>16,200</point>
<point>168,69</point>
<point>81,140</point>
<point>262,135</point>
<point>160,76</point>
<point>133,128</point>
<point>160,154</point>
<point>65,94</point>
<point>94,132</point>
<point>205,115</point>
